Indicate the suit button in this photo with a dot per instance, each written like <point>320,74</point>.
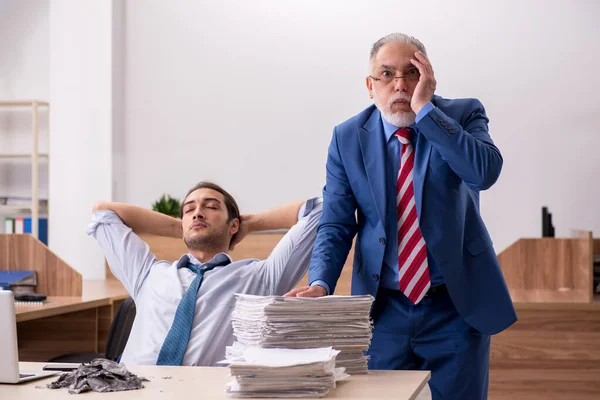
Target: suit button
<point>376,277</point>
<point>382,241</point>
<point>452,131</point>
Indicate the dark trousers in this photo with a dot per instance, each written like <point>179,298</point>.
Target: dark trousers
<point>430,336</point>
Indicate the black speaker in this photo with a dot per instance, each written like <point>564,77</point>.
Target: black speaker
<point>547,227</point>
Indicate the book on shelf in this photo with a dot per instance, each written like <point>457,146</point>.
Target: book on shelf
<point>23,225</point>
<point>9,225</point>
<point>19,225</point>
<point>42,229</point>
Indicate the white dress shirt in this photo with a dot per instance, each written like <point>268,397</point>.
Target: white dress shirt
<point>158,286</point>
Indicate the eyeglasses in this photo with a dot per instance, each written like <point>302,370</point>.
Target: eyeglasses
<point>386,77</point>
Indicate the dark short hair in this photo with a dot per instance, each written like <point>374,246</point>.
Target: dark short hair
<point>233,210</point>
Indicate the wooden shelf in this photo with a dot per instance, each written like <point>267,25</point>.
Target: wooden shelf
<point>33,209</point>
<point>22,155</point>
<point>21,208</point>
<point>15,207</point>
<point>22,103</point>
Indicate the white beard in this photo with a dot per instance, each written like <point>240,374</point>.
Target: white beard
<point>400,119</point>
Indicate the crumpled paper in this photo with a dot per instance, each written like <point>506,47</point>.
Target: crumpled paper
<point>100,375</point>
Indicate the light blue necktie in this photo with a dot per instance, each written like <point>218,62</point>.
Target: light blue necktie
<point>173,348</point>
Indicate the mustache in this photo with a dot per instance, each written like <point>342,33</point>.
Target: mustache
<point>399,96</point>
<point>197,223</point>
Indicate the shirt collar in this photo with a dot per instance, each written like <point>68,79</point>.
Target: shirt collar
<point>389,129</point>
<point>221,258</point>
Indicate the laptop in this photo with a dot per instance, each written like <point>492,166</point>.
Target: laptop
<point>9,356</point>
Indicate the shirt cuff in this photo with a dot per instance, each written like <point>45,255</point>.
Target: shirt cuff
<point>102,217</point>
<point>322,283</point>
<point>424,111</point>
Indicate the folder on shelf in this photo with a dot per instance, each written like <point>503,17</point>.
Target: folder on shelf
<point>42,229</point>
<point>19,225</point>
<point>9,225</point>
<point>23,225</point>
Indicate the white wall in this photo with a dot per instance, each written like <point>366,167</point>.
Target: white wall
<point>247,93</point>
<point>24,49</point>
<point>81,123</point>
<point>24,58</point>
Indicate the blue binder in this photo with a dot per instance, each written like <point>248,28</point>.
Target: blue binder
<point>42,228</point>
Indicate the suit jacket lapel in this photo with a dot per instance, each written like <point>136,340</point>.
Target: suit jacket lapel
<point>422,153</point>
<point>372,145</point>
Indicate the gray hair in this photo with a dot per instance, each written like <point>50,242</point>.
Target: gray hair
<point>396,37</point>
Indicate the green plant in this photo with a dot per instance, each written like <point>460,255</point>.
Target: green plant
<point>167,205</point>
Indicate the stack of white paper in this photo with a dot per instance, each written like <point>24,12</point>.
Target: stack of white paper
<point>301,323</point>
<point>259,372</point>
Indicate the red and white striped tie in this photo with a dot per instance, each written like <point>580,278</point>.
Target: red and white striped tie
<point>412,250</point>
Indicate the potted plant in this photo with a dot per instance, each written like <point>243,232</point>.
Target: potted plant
<point>167,205</point>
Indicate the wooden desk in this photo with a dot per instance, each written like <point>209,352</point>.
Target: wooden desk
<point>69,324</point>
<point>209,383</point>
<point>552,351</point>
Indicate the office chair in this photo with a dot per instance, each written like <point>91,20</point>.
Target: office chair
<point>116,340</point>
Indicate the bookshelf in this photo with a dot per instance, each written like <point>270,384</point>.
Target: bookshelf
<point>32,209</point>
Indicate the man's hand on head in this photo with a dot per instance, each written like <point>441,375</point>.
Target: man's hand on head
<point>426,85</point>
<point>307,291</point>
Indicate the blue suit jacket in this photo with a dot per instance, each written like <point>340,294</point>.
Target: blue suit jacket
<point>455,158</point>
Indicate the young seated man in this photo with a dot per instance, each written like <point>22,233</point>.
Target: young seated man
<point>184,308</point>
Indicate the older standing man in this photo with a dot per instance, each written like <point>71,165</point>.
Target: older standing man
<point>405,174</point>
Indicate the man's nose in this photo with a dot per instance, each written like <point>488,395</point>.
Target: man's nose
<point>400,84</point>
<point>198,214</point>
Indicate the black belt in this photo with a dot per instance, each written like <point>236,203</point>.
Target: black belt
<point>436,291</point>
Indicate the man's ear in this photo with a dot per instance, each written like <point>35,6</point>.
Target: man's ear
<point>235,226</point>
<point>369,83</point>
